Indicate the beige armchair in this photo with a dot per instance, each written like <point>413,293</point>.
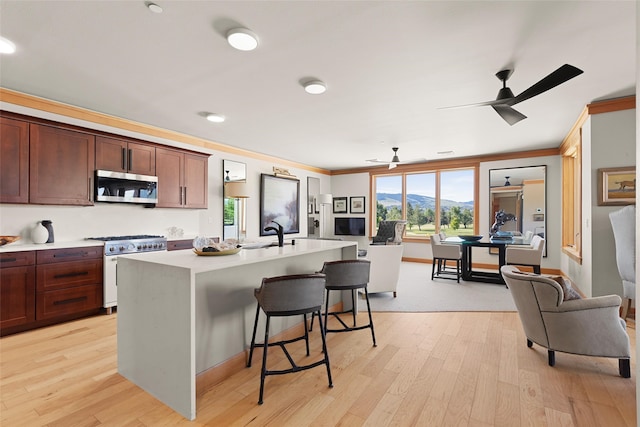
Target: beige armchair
<point>530,255</point>
<point>589,326</point>
<point>441,254</point>
<point>623,223</point>
<point>385,268</point>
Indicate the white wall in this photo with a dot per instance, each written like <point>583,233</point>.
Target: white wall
<point>104,219</point>
<point>349,186</point>
<point>608,140</point>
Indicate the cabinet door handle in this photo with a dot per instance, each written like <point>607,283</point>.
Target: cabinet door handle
<point>124,159</point>
<point>8,259</point>
<point>130,159</point>
<point>90,192</point>
<point>73,274</point>
<point>185,196</point>
<point>180,194</point>
<point>69,301</point>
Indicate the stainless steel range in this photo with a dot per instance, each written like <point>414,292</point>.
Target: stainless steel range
<point>123,245</point>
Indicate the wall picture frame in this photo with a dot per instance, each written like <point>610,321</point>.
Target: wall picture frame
<point>357,204</point>
<point>617,186</point>
<point>279,201</point>
<point>339,205</point>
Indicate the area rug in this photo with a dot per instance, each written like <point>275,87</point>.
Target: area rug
<point>418,293</point>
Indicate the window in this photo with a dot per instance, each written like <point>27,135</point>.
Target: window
<point>572,196</point>
<point>389,201</point>
<point>430,201</point>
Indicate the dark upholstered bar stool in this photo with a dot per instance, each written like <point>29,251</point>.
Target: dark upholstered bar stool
<point>289,296</point>
<point>348,275</point>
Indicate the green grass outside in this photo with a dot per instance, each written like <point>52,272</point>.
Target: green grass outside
<point>428,229</point>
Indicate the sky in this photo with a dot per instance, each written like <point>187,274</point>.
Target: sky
<point>455,185</point>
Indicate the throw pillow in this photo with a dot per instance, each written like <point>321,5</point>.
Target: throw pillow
<point>567,289</point>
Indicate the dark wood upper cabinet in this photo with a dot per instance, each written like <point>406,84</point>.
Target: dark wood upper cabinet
<point>182,179</point>
<point>14,161</point>
<point>61,166</point>
<point>124,156</point>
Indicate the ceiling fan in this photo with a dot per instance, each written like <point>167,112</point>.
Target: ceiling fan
<point>506,100</point>
<point>395,160</point>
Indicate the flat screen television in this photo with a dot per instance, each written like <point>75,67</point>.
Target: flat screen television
<point>349,227</point>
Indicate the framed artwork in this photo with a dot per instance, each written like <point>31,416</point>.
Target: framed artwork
<point>339,205</point>
<point>357,204</point>
<point>279,202</point>
<point>617,186</point>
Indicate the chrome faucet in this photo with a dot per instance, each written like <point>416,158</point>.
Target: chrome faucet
<point>278,230</point>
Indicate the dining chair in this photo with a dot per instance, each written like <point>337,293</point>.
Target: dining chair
<point>443,253</point>
<point>527,255</point>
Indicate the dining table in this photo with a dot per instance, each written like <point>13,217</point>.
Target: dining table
<point>499,243</point>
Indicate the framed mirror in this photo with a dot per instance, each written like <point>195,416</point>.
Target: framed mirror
<point>313,212</point>
<point>521,192</point>
<point>234,176</point>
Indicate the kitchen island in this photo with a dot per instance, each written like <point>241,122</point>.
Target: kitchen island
<point>180,314</point>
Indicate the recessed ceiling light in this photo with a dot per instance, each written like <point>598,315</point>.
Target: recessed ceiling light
<point>315,87</point>
<point>215,118</point>
<point>154,8</point>
<point>242,39</point>
<point>7,46</point>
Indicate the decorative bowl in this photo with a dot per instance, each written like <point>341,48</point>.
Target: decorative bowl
<point>471,238</point>
<point>5,240</point>
<point>219,253</point>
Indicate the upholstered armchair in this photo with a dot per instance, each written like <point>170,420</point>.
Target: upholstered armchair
<point>441,254</point>
<point>529,255</point>
<point>585,326</point>
<point>385,268</point>
<point>389,233</point>
<point>623,222</point>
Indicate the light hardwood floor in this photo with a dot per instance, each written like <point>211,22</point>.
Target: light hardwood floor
<point>429,369</point>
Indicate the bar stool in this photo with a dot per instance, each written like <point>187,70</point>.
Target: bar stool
<point>347,275</point>
<point>289,296</point>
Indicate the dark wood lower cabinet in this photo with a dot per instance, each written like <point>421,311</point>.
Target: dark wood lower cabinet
<point>17,289</point>
<point>40,288</point>
<point>80,299</point>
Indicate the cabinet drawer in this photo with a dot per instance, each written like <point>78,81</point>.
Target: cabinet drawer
<point>17,259</point>
<point>61,302</point>
<point>69,254</point>
<point>69,274</point>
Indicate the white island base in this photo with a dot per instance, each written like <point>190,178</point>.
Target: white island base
<point>180,314</point>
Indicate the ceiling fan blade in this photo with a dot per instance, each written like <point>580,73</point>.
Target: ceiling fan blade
<point>509,115</point>
<point>480,104</point>
<point>559,76</point>
<point>392,165</point>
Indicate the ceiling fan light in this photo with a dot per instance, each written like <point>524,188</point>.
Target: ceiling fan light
<point>7,46</point>
<point>315,87</point>
<point>242,39</point>
<point>215,118</point>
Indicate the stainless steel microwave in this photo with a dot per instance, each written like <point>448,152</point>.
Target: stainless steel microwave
<point>120,187</point>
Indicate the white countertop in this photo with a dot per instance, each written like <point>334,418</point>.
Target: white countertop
<point>21,247</point>
<point>199,264</point>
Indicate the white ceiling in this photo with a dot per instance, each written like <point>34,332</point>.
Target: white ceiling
<point>388,65</point>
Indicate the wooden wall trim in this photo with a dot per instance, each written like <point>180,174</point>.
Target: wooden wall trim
<point>462,163</point>
<point>55,107</point>
<point>611,105</point>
